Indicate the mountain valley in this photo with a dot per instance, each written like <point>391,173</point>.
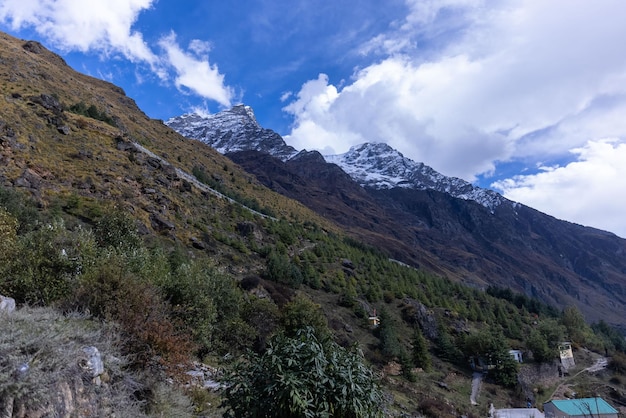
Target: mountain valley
<point>217,256</point>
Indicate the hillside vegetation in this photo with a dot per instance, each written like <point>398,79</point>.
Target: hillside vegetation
<point>104,244</point>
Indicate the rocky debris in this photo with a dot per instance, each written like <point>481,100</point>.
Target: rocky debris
<point>205,376</point>
<point>29,179</point>
<point>534,375</point>
<point>153,162</point>
<point>8,137</point>
<point>393,368</point>
<point>348,264</point>
<point>38,49</point>
<point>185,186</point>
<point>247,229</point>
<point>64,129</point>
<point>161,224</point>
<point>46,373</point>
<point>415,312</point>
<point>7,305</point>
<point>169,171</point>
<point>48,102</point>
<point>123,145</point>
<point>198,244</point>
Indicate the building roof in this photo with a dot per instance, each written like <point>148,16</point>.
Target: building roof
<point>584,406</point>
<point>518,413</point>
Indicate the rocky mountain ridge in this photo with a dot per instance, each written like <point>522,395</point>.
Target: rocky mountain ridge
<point>379,166</point>
<point>427,220</point>
<point>373,165</point>
<point>224,130</point>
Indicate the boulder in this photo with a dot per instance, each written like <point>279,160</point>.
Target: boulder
<point>7,305</point>
<point>161,224</point>
<point>92,363</point>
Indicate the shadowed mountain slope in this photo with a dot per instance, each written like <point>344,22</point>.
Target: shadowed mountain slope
<point>446,225</point>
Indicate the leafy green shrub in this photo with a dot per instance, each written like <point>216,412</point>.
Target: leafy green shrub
<point>301,313</point>
<point>279,268</point>
<point>91,111</point>
<point>613,339</point>
<point>537,344</point>
<point>8,242</point>
<point>118,230</point>
<point>302,377</point>
<point>189,290</point>
<point>264,318</point>
<point>21,207</point>
<point>490,344</point>
<point>618,363</point>
<point>51,258</point>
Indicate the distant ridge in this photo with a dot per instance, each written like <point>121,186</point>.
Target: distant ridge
<point>423,218</point>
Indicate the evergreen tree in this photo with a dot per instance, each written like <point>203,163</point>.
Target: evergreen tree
<point>421,356</point>
<point>445,346</point>
<point>537,343</point>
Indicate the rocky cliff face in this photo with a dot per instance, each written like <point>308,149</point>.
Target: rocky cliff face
<point>439,223</point>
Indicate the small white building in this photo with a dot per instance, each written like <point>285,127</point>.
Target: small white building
<point>515,413</point>
<point>517,355</point>
<point>566,355</point>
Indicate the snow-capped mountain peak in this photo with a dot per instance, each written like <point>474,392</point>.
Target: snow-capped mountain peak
<point>232,130</point>
<point>378,166</point>
<point>373,165</point>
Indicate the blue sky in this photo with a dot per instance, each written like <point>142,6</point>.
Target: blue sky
<point>527,97</point>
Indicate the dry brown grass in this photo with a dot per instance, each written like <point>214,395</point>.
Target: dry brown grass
<point>86,166</point>
<point>40,372</point>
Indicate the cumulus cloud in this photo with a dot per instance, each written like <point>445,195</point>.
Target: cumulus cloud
<point>467,86</point>
<point>194,71</point>
<point>106,27</point>
<point>588,190</point>
<point>509,79</point>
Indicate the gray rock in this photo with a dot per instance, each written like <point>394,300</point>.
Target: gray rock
<point>64,129</point>
<point>7,305</point>
<point>161,224</point>
<point>92,363</point>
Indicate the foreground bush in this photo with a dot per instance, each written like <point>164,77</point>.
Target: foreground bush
<point>303,377</point>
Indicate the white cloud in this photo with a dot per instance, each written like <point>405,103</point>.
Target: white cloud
<point>412,108</point>
<point>588,191</point>
<point>468,85</point>
<point>194,72</point>
<point>106,27</point>
<point>517,82</point>
<point>71,25</point>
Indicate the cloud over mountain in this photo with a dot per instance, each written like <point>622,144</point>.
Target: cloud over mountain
<point>469,87</point>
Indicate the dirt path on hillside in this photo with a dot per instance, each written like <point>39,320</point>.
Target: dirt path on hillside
<point>477,379</point>
<point>600,364</point>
